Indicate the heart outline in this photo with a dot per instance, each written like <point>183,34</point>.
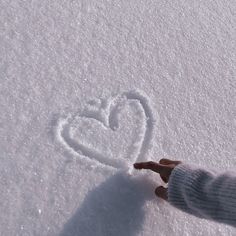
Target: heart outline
<point>109,121</point>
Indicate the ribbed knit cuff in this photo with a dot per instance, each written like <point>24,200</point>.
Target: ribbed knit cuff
<point>178,180</point>
<point>203,193</point>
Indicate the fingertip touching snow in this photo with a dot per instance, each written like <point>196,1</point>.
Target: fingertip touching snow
<point>115,132</point>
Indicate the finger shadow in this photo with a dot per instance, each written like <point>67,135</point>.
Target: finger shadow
<point>114,208</point>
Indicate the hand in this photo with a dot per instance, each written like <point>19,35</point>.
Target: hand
<point>164,168</point>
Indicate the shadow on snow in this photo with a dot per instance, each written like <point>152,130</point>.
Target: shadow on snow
<point>114,208</point>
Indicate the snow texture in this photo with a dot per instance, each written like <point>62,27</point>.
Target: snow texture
<point>90,86</point>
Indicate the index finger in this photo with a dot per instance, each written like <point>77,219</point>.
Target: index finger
<point>150,165</point>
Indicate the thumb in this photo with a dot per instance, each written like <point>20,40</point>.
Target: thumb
<point>162,192</point>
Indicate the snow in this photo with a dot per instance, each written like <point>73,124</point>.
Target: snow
<point>108,122</point>
<point>89,87</point>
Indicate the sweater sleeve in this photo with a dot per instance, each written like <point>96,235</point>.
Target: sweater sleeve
<point>204,193</point>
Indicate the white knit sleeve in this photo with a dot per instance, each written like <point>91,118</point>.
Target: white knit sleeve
<point>204,193</point>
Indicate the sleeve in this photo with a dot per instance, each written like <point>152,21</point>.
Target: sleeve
<point>204,193</point>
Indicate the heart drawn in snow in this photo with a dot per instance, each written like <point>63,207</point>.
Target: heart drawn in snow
<point>115,132</point>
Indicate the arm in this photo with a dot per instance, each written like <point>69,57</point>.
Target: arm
<point>203,193</point>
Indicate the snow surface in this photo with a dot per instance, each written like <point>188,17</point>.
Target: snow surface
<point>90,86</point>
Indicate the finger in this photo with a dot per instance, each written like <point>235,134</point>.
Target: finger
<point>165,178</point>
<point>150,165</point>
<point>162,192</point>
<point>165,161</point>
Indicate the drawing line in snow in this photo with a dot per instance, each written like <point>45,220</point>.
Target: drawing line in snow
<point>107,113</point>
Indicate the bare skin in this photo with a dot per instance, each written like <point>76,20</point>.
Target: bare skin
<point>164,168</point>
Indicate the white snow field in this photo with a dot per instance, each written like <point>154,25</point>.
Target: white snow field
<point>88,87</point>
